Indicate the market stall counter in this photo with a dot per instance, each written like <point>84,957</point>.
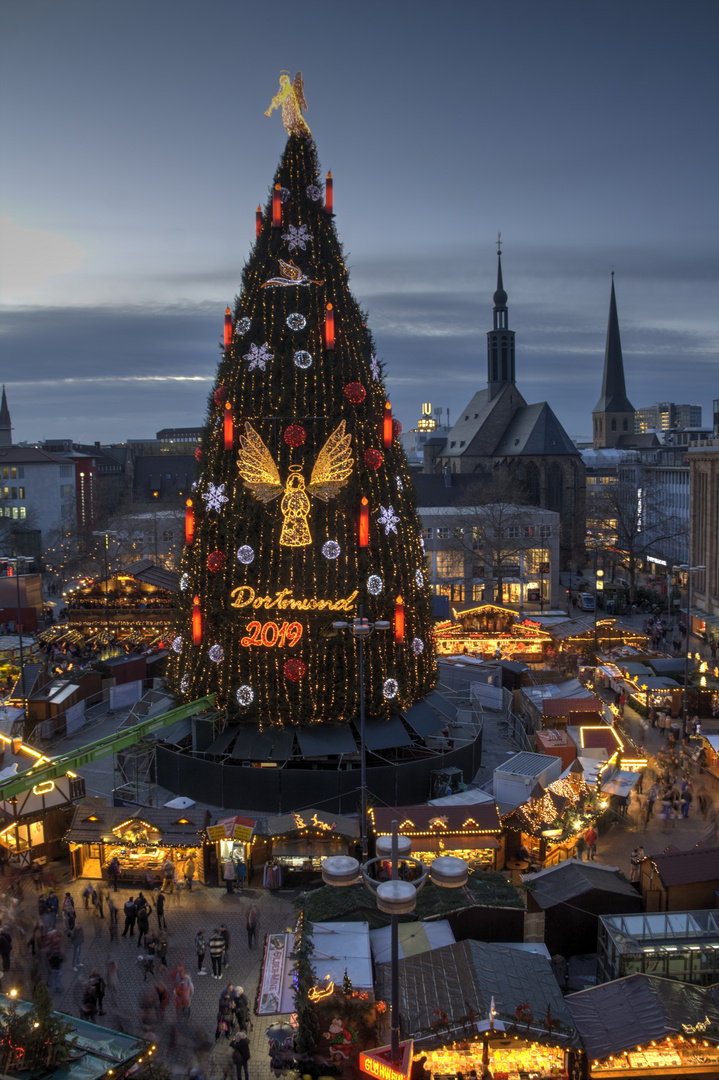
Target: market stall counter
<point>294,846</point>
<point>142,839</point>
<point>471,832</point>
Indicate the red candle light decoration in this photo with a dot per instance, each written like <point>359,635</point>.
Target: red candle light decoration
<point>329,194</point>
<point>276,208</point>
<point>228,329</point>
<point>364,523</point>
<point>387,425</point>
<point>229,426</point>
<point>189,523</point>
<point>258,220</point>
<point>399,620</point>
<point>329,328</point>
<point>196,622</point>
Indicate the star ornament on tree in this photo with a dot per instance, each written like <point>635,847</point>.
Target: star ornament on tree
<point>388,519</point>
<point>258,356</point>
<point>297,237</point>
<point>214,497</point>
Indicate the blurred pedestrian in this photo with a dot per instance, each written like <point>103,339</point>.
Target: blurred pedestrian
<point>77,940</point>
<point>68,911</point>
<point>168,877</point>
<point>130,917</point>
<point>160,908</point>
<point>225,935</point>
<point>98,985</point>
<point>112,908</point>
<point>590,837</point>
<point>217,950</point>
<point>183,995</point>
<point>251,925</point>
<point>241,1055</point>
<point>200,948</point>
<point>143,923</point>
<point>112,979</point>
<point>229,873</point>
<point>190,870</point>
<point>113,872</point>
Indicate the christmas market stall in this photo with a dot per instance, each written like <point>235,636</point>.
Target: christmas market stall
<point>142,839</point>
<point>232,837</point>
<point>491,632</point>
<point>644,1026</point>
<point>292,847</point>
<point>473,1006</point>
<point>34,817</point>
<point>584,636</point>
<point>471,832</point>
<point>136,604</point>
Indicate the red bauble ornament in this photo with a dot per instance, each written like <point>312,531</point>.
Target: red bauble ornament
<point>294,669</point>
<point>396,428</point>
<point>373,459</point>
<point>220,395</point>
<point>295,435</point>
<point>356,392</point>
<point>198,453</point>
<point>216,561</point>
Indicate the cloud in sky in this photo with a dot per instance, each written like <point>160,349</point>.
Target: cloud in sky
<point>29,257</point>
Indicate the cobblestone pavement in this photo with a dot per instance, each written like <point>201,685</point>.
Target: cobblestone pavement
<point>187,1043</point>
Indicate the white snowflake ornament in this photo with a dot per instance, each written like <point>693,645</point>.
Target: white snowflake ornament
<point>331,549</point>
<point>313,192</point>
<point>388,520</point>
<point>374,367</point>
<point>243,325</point>
<point>215,497</point>
<point>177,644</point>
<point>258,356</point>
<point>374,584</point>
<point>297,237</point>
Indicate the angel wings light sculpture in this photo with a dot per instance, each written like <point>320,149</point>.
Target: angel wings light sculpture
<point>260,474</point>
<point>291,99</point>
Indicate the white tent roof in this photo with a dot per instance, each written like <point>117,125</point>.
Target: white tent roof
<point>414,937</point>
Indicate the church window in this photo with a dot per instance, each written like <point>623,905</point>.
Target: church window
<point>494,361</point>
<point>555,488</point>
<point>531,481</point>
<point>614,423</point>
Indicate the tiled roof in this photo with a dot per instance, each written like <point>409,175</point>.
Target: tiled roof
<point>686,867</point>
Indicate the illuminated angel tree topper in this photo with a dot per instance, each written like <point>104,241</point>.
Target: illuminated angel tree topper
<point>304,489</point>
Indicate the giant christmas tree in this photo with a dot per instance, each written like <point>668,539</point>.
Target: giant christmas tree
<point>303,510</point>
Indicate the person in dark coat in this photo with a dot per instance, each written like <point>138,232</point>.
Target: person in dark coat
<point>130,917</point>
<point>160,909</point>
<point>143,923</point>
<point>225,935</point>
<point>241,1055</point>
<point>98,985</point>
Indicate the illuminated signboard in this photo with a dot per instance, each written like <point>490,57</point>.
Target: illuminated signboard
<point>378,1062</point>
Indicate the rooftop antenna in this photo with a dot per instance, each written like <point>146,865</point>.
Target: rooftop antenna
<point>499,243</point>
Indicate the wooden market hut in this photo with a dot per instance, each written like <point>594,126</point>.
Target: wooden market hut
<point>561,712</point>
<point>141,838</point>
<point>677,880</point>
<point>292,846</point>
<point>472,832</point>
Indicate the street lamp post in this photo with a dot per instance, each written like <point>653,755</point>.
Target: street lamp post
<point>361,628</point>
<point>16,563</point>
<point>395,897</point>
<point>688,570</point>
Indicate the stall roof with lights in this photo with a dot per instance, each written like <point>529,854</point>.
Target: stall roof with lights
<point>177,828</point>
<point>312,820</point>
<point>626,1013</point>
<point>476,972</point>
<point>572,878</point>
<point>677,867</point>
<point>431,820</point>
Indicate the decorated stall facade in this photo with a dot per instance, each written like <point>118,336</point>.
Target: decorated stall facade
<point>471,832</point>
<point>292,847</point>
<point>489,631</point>
<point>232,837</point>
<point>142,840</point>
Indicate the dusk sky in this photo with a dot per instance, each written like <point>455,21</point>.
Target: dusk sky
<point>134,151</point>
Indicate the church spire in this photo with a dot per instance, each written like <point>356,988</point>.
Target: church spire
<point>500,340</point>
<point>613,414</point>
<point>5,422</point>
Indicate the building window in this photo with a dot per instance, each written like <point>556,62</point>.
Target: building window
<point>22,492</point>
<point>529,531</point>
<point>453,591</point>
<point>168,536</point>
<point>66,491</point>
<point>65,471</point>
<point>450,564</point>
<point>15,513</point>
<point>23,513</point>
<point>478,592</point>
<point>14,493</point>
<point>443,534</point>
<point>7,510</point>
<point>513,532</point>
<point>426,534</point>
<point>545,531</point>
<point>614,423</point>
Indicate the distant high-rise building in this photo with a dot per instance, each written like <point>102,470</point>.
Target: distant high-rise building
<point>665,416</point>
<point>613,415</point>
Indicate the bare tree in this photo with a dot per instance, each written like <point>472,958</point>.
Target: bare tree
<point>492,524</point>
<point>634,517</point>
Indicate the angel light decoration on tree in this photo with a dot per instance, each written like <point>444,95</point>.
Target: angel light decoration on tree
<point>291,99</point>
<point>304,502</point>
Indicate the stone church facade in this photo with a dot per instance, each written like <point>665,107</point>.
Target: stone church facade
<point>499,434</point>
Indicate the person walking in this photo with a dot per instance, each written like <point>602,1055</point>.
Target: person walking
<point>162,950</point>
<point>190,869</point>
<point>112,908</point>
<point>77,940</point>
<point>251,925</point>
<point>113,872</point>
<point>635,861</point>
<point>590,838</point>
<point>217,951</point>
<point>55,960</point>
<point>143,924</point>
<point>98,985</point>
<point>168,877</point>
<point>241,873</point>
<point>229,873</point>
<point>88,1008</point>
<point>52,909</point>
<point>241,1055</point>
<point>225,935</point>
<point>579,847</point>
<point>200,948</point>
<point>160,909</point>
<point>183,994</point>
<point>112,979</point>
<point>68,911</point>
<point>5,947</point>
<point>130,917</point>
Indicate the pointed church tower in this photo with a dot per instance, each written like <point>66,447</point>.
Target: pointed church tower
<point>5,422</point>
<point>500,340</point>
<point>613,415</point>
